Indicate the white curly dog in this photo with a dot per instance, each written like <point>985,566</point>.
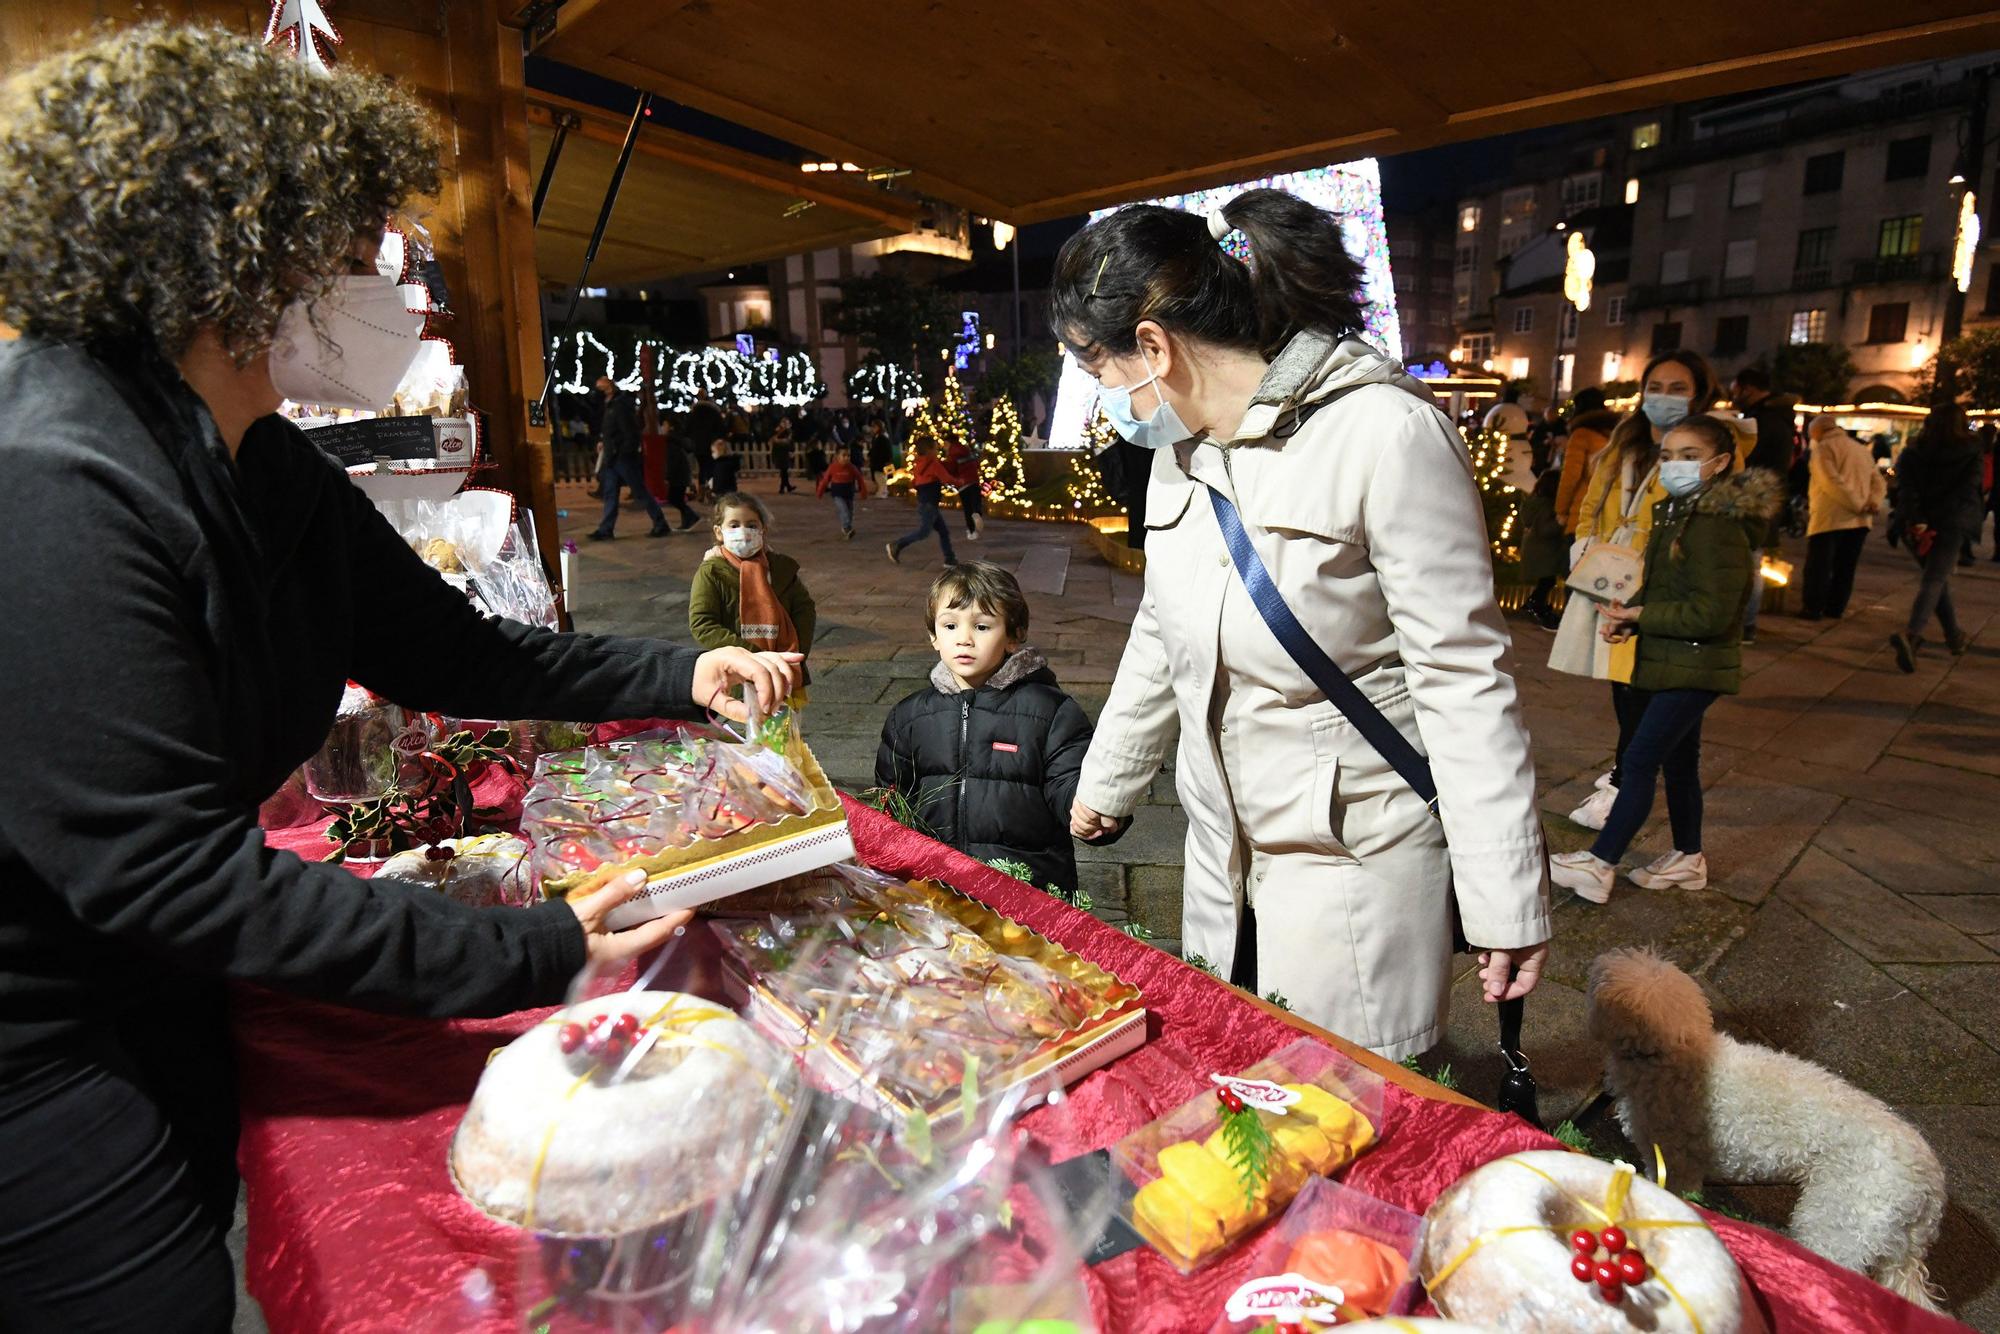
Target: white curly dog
<point>1872,1193</point>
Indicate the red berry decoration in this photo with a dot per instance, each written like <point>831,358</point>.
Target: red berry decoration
<point>1583,1269</point>
<point>1608,1275</point>
<point>628,1026</point>
<point>1614,1239</point>
<point>1230,1102</point>
<point>569,1037</point>
<point>1632,1267</point>
<point>1611,1292</point>
<point>1583,1241</point>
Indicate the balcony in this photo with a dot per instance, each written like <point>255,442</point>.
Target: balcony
<point>1809,279</point>
<point>1742,286</point>
<point>1648,295</point>
<point>1927,267</point>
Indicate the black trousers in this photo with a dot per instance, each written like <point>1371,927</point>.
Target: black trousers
<point>1630,706</point>
<point>974,503</point>
<point>110,1218</point>
<point>1831,559</point>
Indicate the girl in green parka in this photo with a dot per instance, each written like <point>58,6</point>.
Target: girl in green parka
<point>1702,553</point>
<point>745,594</point>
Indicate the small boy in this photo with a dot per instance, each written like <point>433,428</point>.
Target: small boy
<point>723,463</point>
<point>988,757</point>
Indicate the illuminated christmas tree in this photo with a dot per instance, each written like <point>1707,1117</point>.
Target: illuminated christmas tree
<point>1087,496</point>
<point>1002,467</point>
<point>1502,503</point>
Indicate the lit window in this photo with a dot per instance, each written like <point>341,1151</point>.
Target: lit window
<point>1613,362</point>
<point>1632,190</point>
<point>1468,217</point>
<point>1646,136</point>
<point>1808,326</point>
<point>1518,368</point>
<point>1899,237</point>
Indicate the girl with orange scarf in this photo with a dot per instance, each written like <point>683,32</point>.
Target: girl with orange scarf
<point>746,595</point>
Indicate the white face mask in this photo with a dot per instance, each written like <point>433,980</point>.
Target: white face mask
<point>348,349</point>
<point>743,543</point>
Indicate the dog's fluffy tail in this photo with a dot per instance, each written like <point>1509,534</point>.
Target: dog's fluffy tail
<point>1910,1280</point>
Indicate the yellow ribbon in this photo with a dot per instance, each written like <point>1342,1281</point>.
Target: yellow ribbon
<point>1611,1213</point>
<point>668,1016</point>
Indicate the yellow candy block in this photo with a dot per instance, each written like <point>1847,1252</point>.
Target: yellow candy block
<point>1341,1123</point>
<point>1286,1179</point>
<point>1209,1181</point>
<point>1175,1221</point>
<point>1305,1143</point>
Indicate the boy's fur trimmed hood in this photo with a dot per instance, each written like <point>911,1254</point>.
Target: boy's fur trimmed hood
<point>1756,493</point>
<point>1024,663</point>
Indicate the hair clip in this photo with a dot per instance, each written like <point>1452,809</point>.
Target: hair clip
<point>1100,272</point>
<point>1218,226</point>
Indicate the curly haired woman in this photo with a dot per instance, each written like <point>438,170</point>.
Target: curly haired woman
<point>188,227</point>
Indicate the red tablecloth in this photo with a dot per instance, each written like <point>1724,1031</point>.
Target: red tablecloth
<point>355,1226</point>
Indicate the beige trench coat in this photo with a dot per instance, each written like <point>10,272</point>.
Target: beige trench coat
<point>1370,523</point>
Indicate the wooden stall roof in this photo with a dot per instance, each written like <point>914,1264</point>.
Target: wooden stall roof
<point>1039,108</point>
<point>687,205</point>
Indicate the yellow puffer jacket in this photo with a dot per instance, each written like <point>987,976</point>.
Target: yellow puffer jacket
<point>1610,505</point>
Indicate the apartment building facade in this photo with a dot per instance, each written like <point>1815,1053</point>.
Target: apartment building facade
<point>1824,213</point>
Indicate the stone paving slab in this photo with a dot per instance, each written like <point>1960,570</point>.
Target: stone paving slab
<point>1875,922</point>
<point>1811,995</point>
<point>1915,852</point>
<point>1965,1261</point>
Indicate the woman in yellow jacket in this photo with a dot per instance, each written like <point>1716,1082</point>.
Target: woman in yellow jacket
<point>1617,506</point>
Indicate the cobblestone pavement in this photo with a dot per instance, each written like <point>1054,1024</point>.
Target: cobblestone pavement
<point>1854,917</point>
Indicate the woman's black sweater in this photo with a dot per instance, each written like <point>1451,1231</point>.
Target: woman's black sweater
<point>177,629</point>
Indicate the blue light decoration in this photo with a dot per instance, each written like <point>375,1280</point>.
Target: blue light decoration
<point>968,339</point>
<point>1353,190</point>
<point>746,344</point>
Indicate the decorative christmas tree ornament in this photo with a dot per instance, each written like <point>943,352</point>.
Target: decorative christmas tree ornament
<point>304,27</point>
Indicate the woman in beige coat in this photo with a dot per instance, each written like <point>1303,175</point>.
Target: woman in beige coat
<point>1358,496</point>
<point>1846,492</point>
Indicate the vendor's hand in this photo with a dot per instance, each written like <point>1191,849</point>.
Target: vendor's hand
<point>593,901</point>
<point>1088,825</point>
<point>1511,974</point>
<point>718,672</point>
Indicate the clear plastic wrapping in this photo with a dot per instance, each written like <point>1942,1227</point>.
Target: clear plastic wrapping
<point>371,745</point>
<point>644,795</point>
<point>1337,1257</point>
<point>1207,1174</point>
<point>480,870</point>
<point>854,962</point>
<point>671,1169</point>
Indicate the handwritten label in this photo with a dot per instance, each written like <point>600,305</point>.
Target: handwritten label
<point>1288,1297</point>
<point>367,439</point>
<point>1259,1093</point>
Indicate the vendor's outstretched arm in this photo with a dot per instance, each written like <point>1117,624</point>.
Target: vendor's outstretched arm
<point>123,800</point>
<point>419,642</point>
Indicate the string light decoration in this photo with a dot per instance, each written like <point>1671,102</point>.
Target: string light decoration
<point>1087,497</point>
<point>303,26</point>
<point>881,382</point>
<point>724,374</point>
<point>1502,503</point>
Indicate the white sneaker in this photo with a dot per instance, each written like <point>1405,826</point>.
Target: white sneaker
<point>1676,870</point>
<point>1596,808</point>
<point>1604,781</point>
<point>1583,873</point>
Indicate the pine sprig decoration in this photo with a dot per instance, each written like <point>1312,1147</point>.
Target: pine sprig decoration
<point>1249,1144</point>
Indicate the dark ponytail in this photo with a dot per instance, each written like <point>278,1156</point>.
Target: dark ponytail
<point>1145,262</point>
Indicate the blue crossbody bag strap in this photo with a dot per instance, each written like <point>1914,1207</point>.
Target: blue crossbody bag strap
<point>1380,733</point>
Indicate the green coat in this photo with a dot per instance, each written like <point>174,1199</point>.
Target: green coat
<point>713,613</point>
<point>1702,554</point>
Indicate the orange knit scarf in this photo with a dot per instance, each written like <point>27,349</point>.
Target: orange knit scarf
<point>761,620</point>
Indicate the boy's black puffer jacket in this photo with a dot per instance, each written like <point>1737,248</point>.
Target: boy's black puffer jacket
<point>992,771</point>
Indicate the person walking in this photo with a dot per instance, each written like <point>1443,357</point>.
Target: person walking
<point>961,460</point>
<point>844,482</point>
<point>1702,555</point>
<point>781,455</point>
<point>881,450</point>
<point>1775,422</point>
<point>1846,493</point>
<point>623,465</point>
<point>1618,507</point>
<point>680,476</point>
<point>1937,488</point>
<point>1313,865</point>
<point>929,477</point>
<point>1589,433</point>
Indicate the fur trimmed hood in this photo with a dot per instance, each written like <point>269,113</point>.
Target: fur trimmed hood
<point>1755,493</point>
<point>1024,663</point>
